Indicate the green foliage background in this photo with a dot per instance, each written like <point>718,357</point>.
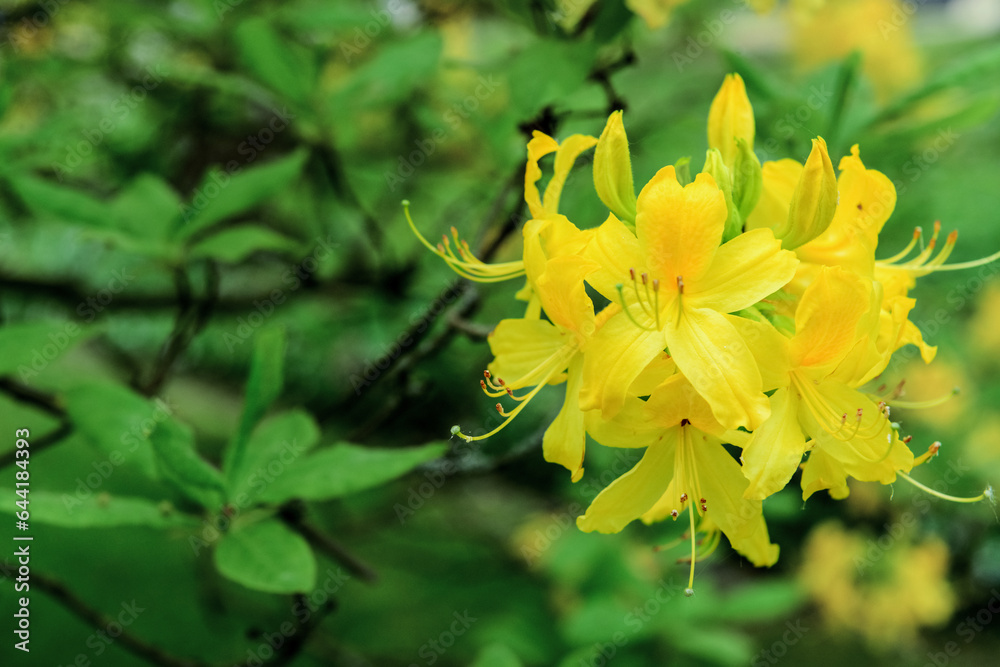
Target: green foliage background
<point>239,368</point>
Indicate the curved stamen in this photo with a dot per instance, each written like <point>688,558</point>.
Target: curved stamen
<point>917,232</point>
<point>932,403</point>
<point>465,263</point>
<point>987,494</point>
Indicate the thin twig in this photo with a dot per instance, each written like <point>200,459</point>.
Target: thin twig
<point>294,515</point>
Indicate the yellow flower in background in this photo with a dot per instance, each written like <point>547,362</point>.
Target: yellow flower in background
<point>825,31</point>
<point>884,589</point>
<point>656,13</point>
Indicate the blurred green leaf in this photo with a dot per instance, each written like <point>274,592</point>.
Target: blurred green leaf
<point>267,556</point>
<point>393,73</point>
<point>275,60</point>
<point>100,510</point>
<point>180,464</point>
<point>236,244</point>
<point>46,199</point>
<point>27,348</point>
<point>239,192</point>
<point>497,655</point>
<point>345,469</point>
<point>147,208</point>
<point>263,386</point>
<point>280,440</point>
<point>117,421</point>
<point>763,601</point>
<point>566,68</point>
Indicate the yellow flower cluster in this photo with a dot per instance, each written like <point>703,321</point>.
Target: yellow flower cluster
<point>742,307</point>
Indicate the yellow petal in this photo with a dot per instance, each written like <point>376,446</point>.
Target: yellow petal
<point>521,349</point>
<point>632,494</point>
<point>616,250</point>
<point>774,451</point>
<point>616,355</point>
<point>768,347</point>
<point>629,429</point>
<point>653,374</point>
<point>675,399</point>
<point>680,228</point>
<point>565,438</point>
<point>711,354</point>
<point>826,320</point>
<point>822,471</point>
<point>730,118</point>
<point>568,151</point>
<point>564,296</point>
<point>743,271</point>
<point>723,485</point>
<point>613,169</point>
<point>867,199</point>
<point>780,180</point>
<point>539,146</point>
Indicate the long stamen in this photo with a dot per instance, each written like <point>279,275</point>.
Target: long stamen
<point>468,266</point>
<point>932,403</point>
<point>931,452</point>
<point>905,251</point>
<point>689,591</point>
<point>987,494</point>
<point>628,313</point>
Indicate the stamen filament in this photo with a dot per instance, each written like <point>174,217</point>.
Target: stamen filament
<point>987,494</point>
<point>931,403</point>
<point>689,591</point>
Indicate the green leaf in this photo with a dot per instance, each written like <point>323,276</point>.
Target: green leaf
<point>263,386</point>
<point>100,510</point>
<point>566,68</point>
<point>275,60</point>
<point>274,445</point>
<point>147,208</point>
<point>345,469</point>
<point>393,73</point>
<point>180,464</point>
<point>27,348</point>
<point>236,244</point>
<point>117,421</point>
<point>267,556</point>
<point>44,198</point>
<point>239,192</point>
<point>497,655</point>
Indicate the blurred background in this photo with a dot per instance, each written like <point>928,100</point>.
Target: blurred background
<point>239,368</point>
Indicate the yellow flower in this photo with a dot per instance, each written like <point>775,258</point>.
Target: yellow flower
<point>684,467</point>
<point>680,285</point>
<point>730,119</point>
<point>833,351</point>
<point>613,170</point>
<point>830,30</point>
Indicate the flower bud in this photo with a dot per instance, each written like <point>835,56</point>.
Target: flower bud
<point>748,179</point>
<point>723,178</point>
<point>613,170</point>
<point>815,198</point>
<point>730,118</point>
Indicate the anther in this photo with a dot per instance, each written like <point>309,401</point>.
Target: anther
<point>907,439</point>
<point>935,446</point>
<point>486,374</point>
<point>631,272</point>
<point>674,514</point>
<point>684,497</point>
<point>645,278</point>
<point>704,507</point>
<point>499,408</point>
<point>702,501</point>
<point>680,284</point>
<point>656,285</point>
